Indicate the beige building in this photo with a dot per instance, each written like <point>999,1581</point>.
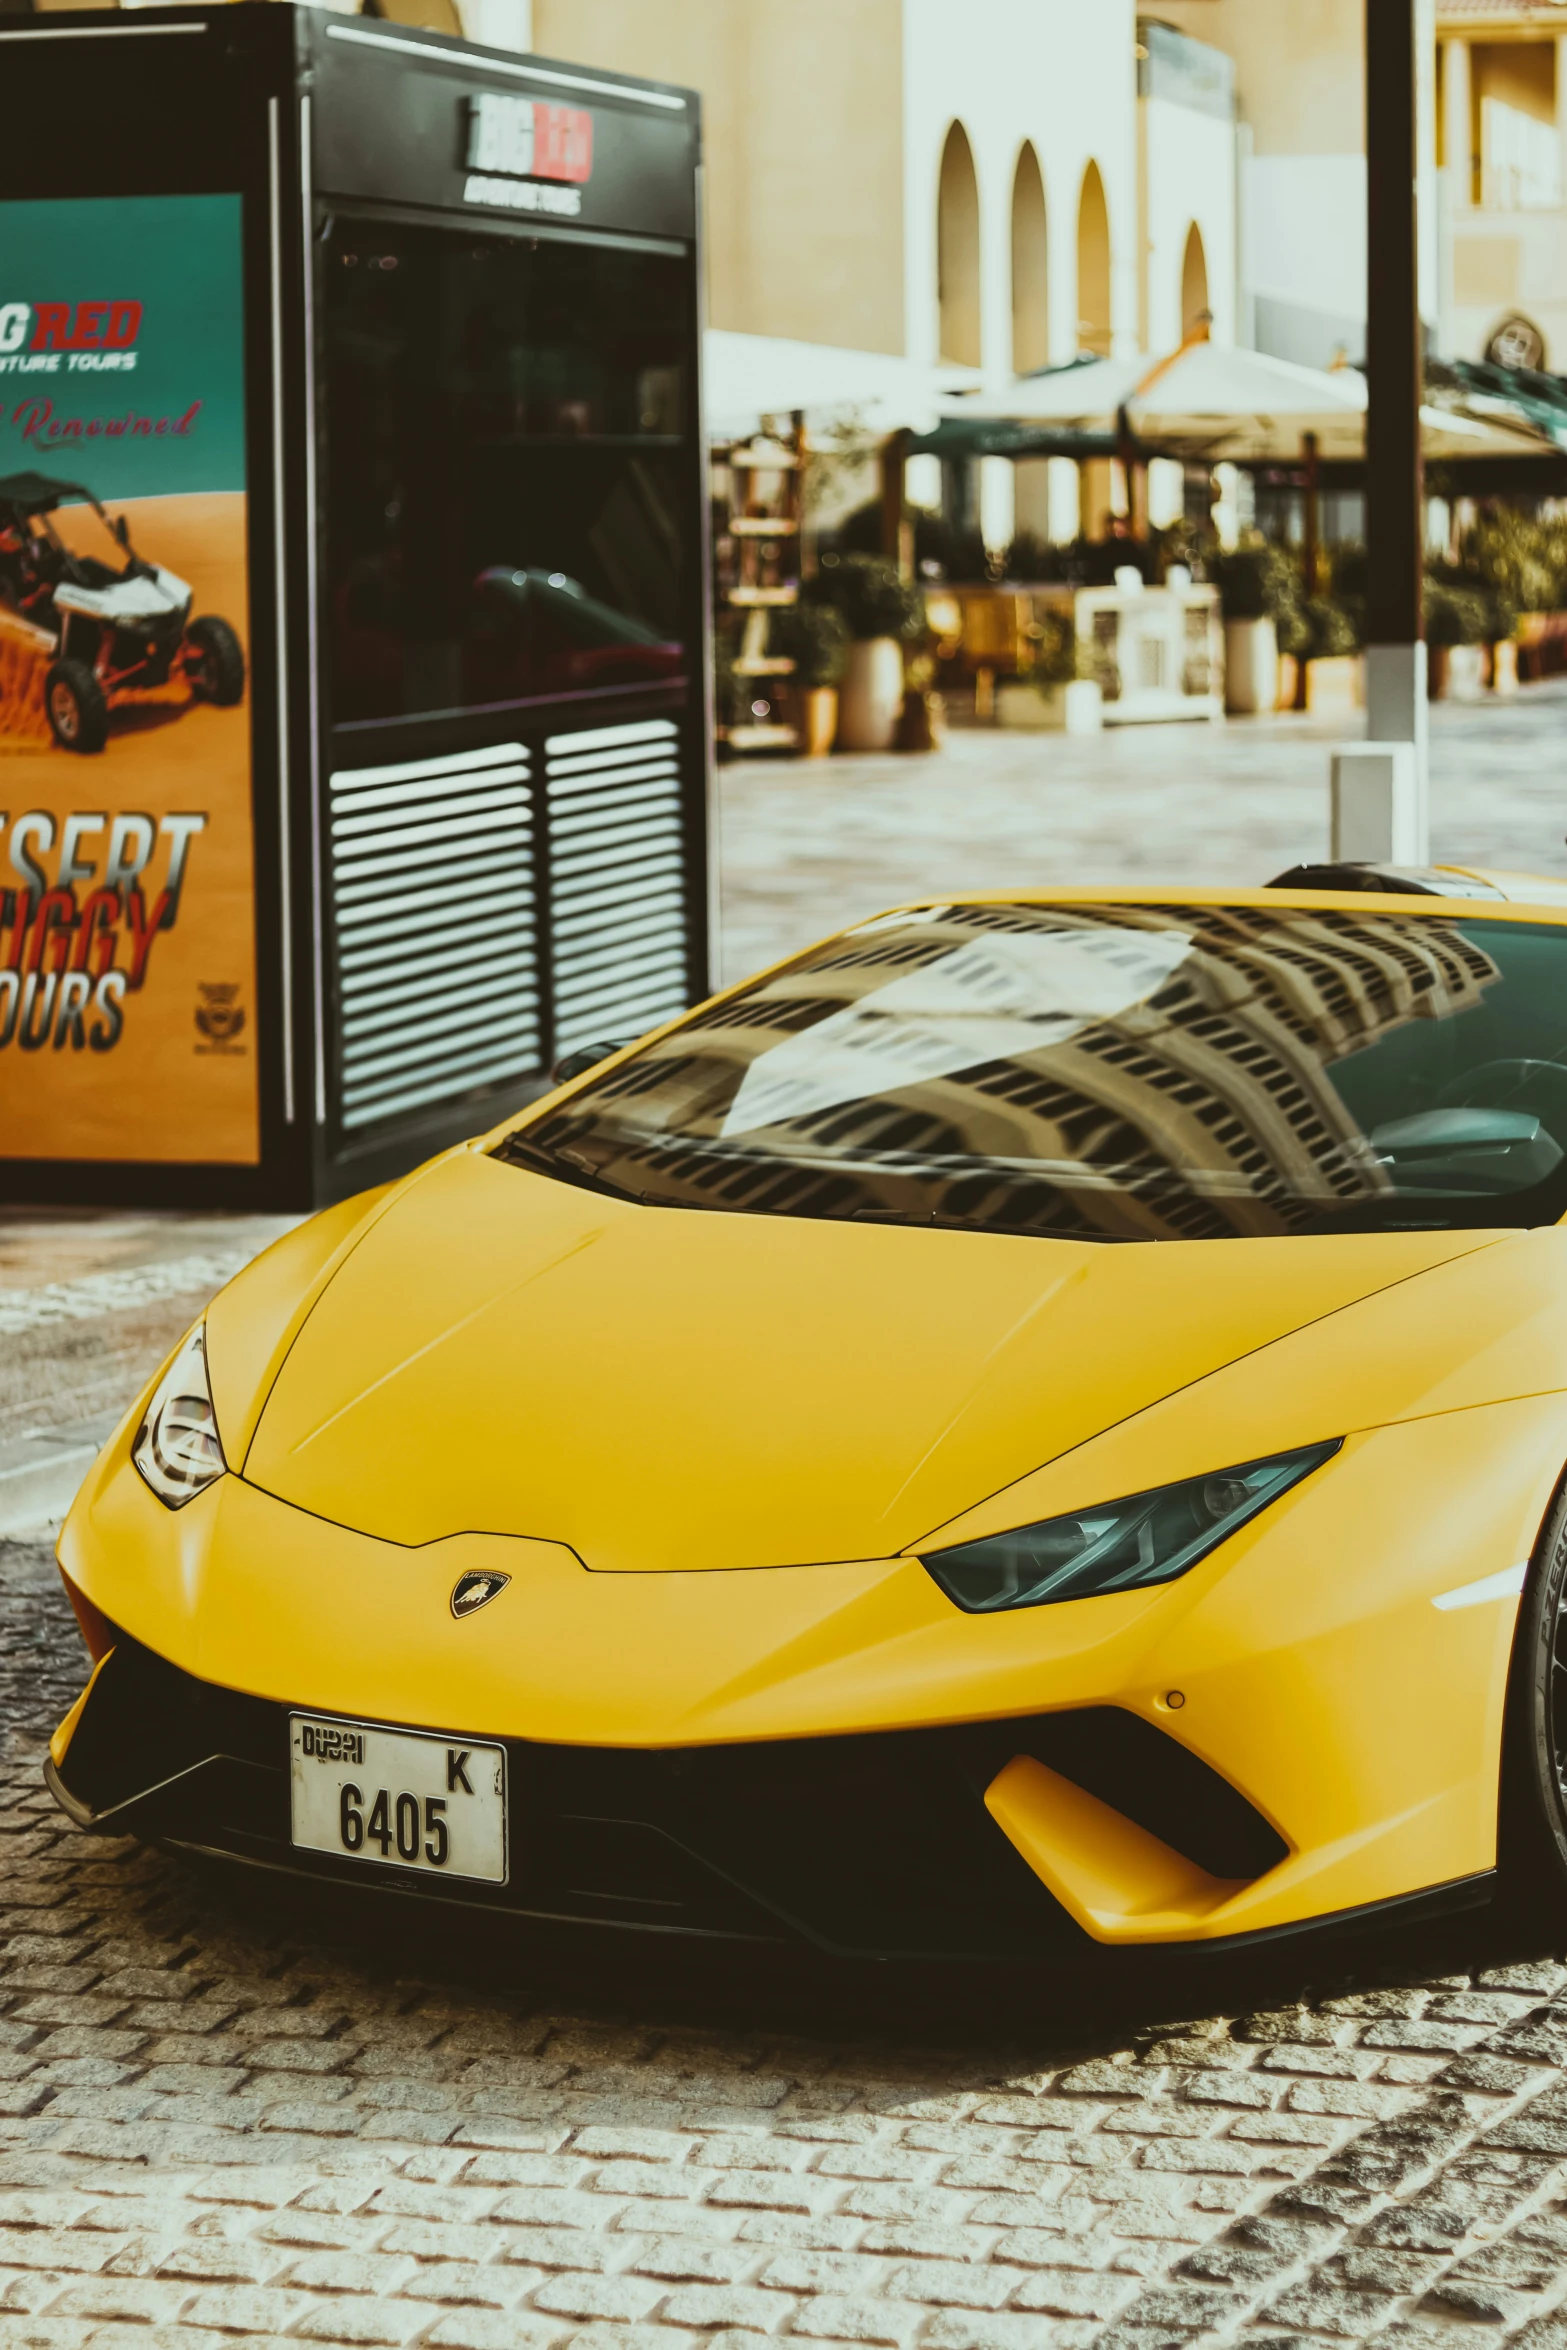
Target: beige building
<point>903,199</point>
<point>903,204</point>
<point>1501,134</point>
<point>895,208</point>
<point>1300,104</point>
<point>1493,89</point>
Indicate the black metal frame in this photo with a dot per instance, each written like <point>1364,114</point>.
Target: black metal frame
<point>1394,356</point>
<point>249,99</point>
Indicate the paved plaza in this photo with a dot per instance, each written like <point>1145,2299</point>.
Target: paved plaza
<point>807,846</point>
<point>229,2115</point>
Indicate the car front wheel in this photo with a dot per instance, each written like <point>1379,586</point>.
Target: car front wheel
<point>77,707</point>
<point>1532,1843</point>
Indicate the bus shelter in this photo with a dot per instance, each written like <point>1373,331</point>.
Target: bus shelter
<point>353,745</point>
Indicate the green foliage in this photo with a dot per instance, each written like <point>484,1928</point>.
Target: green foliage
<point>1259,581</point>
<point>1332,629</point>
<point>1461,607</point>
<point>1521,558</point>
<point>872,599</point>
<point>1188,542</point>
<point>958,554</point>
<point>815,637</point>
<point>1052,656</point>
<point>1459,611</point>
<point>1032,559</point>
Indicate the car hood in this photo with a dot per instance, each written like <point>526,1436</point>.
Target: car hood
<point>670,1389</point>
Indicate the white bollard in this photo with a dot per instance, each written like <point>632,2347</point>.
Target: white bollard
<point>1377,814</point>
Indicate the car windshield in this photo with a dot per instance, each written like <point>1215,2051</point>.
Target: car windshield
<point>1107,1072</point>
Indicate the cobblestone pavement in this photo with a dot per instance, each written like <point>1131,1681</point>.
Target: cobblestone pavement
<point>90,1304</point>
<point>225,2116</point>
<point>231,2115</point>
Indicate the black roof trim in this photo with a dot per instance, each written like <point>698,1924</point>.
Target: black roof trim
<point>1396,881</point>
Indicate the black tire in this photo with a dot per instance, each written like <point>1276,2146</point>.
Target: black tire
<point>77,707</point>
<point>214,661</point>
<point>1532,1829</point>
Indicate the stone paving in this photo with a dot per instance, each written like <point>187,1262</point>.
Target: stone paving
<point>232,2114</point>
<point>90,1304</point>
<point>808,846</point>
<point>225,2115</point>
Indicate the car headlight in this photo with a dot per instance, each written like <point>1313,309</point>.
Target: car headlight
<point>177,1447</point>
<point>1122,1545</point>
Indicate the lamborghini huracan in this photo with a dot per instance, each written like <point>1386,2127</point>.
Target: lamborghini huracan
<point>1040,1422</point>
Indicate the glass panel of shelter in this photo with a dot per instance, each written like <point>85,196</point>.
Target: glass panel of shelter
<point>507,441</point>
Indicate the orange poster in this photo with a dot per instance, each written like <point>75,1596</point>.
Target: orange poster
<point>127,933</point>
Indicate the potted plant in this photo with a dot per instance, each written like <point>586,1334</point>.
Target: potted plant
<point>882,614</point>
<point>1048,692</point>
<point>1460,619</point>
<point>815,638</point>
<point>1335,676</point>
<point>1509,564</point>
<point>1259,595</point>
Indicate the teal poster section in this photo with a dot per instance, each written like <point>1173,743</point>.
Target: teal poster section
<point>122,343</point>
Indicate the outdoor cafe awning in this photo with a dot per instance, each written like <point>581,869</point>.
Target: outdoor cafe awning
<point>1007,436</point>
<point>1210,402</point>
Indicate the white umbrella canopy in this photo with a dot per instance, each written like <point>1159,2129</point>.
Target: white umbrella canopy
<point>1214,401</point>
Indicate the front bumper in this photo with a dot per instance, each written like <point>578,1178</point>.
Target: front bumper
<point>836,1749</point>
<point>878,1845</point>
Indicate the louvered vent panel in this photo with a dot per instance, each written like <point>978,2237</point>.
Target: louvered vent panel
<point>435,915</point>
<point>618,890</point>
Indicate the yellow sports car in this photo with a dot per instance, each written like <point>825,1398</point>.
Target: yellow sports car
<point>1026,1426</point>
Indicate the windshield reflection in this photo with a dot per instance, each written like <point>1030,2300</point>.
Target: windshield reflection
<point>1110,1072</point>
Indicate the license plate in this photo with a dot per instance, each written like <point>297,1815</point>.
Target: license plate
<point>403,1797</point>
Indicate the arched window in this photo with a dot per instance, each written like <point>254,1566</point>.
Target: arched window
<point>957,251</point>
<point>1030,266</point>
<point>1093,266</point>
<point>1194,285</point>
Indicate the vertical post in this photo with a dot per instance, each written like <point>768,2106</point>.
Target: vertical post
<point>1310,549</point>
<point>1135,475</point>
<point>897,529</point>
<point>1395,640</point>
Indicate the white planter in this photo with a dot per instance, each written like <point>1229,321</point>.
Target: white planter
<point>871,696</point>
<point>1077,708</point>
<point>1466,673</point>
<point>1251,666</point>
<point>1083,706</point>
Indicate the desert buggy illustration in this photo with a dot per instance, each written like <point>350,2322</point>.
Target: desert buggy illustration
<point>107,623</point>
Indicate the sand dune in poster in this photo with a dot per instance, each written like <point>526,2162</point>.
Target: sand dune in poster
<point>175,1035</point>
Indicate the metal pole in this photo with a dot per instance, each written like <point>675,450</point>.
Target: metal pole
<point>1395,638</point>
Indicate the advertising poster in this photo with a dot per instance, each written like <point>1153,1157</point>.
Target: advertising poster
<point>127,947</point>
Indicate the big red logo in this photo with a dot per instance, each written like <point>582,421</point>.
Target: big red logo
<point>529,140</point>
<point>63,326</point>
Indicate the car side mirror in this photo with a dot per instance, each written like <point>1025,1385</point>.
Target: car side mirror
<point>1469,1149</point>
<point>586,1056</point>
